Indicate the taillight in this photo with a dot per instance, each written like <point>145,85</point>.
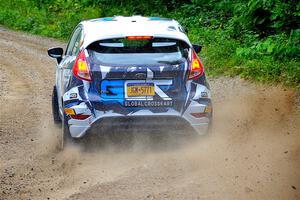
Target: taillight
<point>81,68</point>
<point>199,115</point>
<point>80,117</point>
<point>196,68</point>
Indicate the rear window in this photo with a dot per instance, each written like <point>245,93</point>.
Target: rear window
<point>151,51</point>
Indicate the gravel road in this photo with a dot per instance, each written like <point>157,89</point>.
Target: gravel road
<point>253,151</point>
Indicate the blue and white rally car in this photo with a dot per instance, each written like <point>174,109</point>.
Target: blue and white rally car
<point>119,72</point>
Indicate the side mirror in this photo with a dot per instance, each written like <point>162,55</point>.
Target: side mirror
<point>197,48</point>
<point>56,52</point>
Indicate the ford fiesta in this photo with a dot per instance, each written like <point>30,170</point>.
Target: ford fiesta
<point>122,72</point>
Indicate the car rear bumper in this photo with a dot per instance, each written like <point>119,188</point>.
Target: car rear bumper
<point>169,124</point>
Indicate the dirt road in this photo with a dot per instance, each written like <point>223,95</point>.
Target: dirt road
<point>253,151</point>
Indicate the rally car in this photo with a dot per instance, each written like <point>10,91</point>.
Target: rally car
<point>123,72</point>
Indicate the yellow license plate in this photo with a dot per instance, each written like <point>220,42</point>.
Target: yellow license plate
<point>140,90</point>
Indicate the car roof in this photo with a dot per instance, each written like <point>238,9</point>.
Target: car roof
<point>119,26</point>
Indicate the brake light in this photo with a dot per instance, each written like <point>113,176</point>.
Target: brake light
<point>81,68</point>
<point>80,117</point>
<point>139,37</point>
<point>199,115</point>
<point>196,69</point>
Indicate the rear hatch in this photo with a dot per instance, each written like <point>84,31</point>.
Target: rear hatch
<point>138,73</point>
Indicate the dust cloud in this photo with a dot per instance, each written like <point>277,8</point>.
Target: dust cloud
<point>253,151</point>
<point>250,138</point>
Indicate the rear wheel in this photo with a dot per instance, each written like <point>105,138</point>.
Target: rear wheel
<point>210,125</point>
<point>55,108</point>
<point>65,137</point>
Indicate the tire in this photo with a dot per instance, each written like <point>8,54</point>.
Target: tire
<point>209,130</point>
<point>55,107</point>
<point>65,137</point>
<point>210,126</point>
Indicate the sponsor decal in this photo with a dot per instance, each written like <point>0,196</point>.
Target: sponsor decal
<point>153,103</point>
<point>204,94</point>
<point>112,89</point>
<point>73,95</point>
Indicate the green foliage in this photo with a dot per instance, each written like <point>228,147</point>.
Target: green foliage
<point>257,39</point>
